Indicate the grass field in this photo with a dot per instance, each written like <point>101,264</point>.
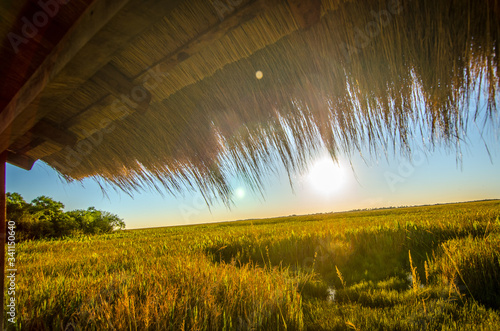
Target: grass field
<point>419,268</point>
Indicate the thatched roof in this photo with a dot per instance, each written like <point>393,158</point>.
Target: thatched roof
<point>189,93</point>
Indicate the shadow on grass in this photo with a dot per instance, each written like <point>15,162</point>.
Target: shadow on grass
<point>370,255</point>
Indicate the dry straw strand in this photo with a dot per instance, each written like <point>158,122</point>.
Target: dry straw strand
<point>352,80</point>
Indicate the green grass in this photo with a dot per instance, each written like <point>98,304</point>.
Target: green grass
<point>274,274</point>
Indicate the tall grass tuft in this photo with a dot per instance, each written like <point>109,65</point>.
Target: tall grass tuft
<point>473,265</point>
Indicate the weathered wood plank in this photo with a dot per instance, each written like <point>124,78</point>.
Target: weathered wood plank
<point>90,22</point>
<point>133,19</point>
<point>94,108</point>
<point>29,32</point>
<point>38,108</point>
<point>121,87</point>
<point>20,160</point>
<point>51,131</point>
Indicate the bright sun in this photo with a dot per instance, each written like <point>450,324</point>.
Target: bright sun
<point>326,177</point>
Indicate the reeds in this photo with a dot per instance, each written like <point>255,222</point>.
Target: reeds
<point>369,74</point>
<point>174,278</point>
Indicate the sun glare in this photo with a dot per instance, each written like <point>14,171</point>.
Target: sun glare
<point>326,177</point>
<point>239,193</point>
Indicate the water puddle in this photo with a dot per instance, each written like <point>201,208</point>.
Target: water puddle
<point>331,294</point>
<point>410,279</point>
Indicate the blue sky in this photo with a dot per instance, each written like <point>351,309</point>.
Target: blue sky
<point>430,177</point>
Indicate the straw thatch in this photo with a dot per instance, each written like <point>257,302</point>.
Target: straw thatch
<point>369,73</point>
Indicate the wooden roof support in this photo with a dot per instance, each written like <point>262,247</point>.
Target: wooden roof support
<point>50,131</point>
<point>306,12</point>
<point>122,87</point>
<point>90,22</point>
<point>33,143</point>
<point>89,111</point>
<point>77,57</point>
<point>20,160</point>
<point>208,36</point>
<point>3,233</point>
<point>41,132</point>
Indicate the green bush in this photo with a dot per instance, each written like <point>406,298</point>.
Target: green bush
<point>46,218</point>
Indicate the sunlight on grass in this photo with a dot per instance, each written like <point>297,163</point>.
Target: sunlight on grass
<point>274,274</point>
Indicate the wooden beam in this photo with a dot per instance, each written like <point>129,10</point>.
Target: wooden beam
<point>44,130</point>
<point>51,131</point>
<point>110,25</point>
<point>305,12</point>
<point>20,160</point>
<point>118,84</point>
<point>90,22</point>
<point>76,76</point>
<point>205,38</point>
<point>23,146</point>
<point>121,87</point>
<point>94,108</point>
<point>3,220</point>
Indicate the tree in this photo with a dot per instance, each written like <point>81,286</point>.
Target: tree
<point>49,210</point>
<point>45,218</point>
<point>16,206</point>
<point>47,205</point>
<point>114,221</point>
<point>94,221</point>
